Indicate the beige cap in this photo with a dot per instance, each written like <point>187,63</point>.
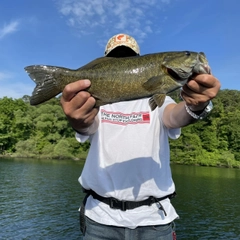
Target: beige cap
<point>122,39</point>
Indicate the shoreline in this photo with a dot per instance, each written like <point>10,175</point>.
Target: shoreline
<point>83,158</point>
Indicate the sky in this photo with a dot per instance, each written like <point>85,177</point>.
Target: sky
<point>71,33</point>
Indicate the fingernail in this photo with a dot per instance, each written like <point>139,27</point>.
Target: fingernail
<point>87,82</point>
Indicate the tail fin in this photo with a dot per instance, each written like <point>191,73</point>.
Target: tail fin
<point>46,83</point>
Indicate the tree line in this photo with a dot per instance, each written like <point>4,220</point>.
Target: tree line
<point>37,131</point>
<point>43,131</point>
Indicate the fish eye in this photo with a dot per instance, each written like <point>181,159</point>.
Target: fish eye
<point>187,53</point>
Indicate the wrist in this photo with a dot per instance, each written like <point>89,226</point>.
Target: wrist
<point>89,130</point>
<point>82,131</point>
<point>197,113</point>
<point>197,108</point>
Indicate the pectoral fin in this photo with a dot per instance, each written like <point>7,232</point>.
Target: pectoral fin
<point>153,84</point>
<point>161,84</point>
<point>156,100</point>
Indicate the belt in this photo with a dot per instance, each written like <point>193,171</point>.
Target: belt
<point>127,205</point>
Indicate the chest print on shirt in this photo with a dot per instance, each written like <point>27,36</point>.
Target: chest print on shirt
<point>125,119</point>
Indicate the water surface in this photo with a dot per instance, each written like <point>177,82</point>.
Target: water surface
<point>208,202</point>
<point>39,199</point>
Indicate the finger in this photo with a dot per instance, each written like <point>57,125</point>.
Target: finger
<point>82,116</point>
<point>79,105</point>
<point>89,118</point>
<point>192,98</point>
<point>193,87</point>
<point>84,120</point>
<point>206,80</point>
<point>76,101</point>
<point>80,99</point>
<point>204,84</point>
<point>72,89</point>
<point>86,107</point>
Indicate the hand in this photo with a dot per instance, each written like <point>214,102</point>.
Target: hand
<point>78,105</point>
<point>199,91</point>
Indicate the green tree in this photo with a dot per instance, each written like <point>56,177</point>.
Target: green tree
<point>7,118</point>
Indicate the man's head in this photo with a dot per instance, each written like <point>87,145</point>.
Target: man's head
<point>122,45</point>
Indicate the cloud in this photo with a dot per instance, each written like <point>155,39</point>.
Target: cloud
<point>9,87</point>
<point>4,76</point>
<point>9,28</point>
<point>129,16</point>
<point>15,89</point>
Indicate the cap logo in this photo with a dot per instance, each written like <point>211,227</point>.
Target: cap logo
<point>121,37</point>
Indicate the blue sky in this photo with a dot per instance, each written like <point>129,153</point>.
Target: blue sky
<point>71,33</point>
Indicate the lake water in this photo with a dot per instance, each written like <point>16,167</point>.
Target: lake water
<point>39,199</point>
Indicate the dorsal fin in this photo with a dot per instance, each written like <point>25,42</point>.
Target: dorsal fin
<point>95,63</point>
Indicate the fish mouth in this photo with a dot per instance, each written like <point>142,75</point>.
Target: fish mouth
<point>176,77</point>
<point>199,68</point>
<point>173,74</point>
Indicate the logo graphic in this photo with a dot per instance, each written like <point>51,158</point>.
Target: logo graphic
<point>125,119</point>
<point>121,37</point>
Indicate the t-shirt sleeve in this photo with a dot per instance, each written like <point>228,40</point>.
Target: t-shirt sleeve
<point>173,133</point>
<point>81,138</point>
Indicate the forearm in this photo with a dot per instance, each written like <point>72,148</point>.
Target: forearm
<point>177,116</point>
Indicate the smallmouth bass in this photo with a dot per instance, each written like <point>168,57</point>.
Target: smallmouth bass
<point>122,79</point>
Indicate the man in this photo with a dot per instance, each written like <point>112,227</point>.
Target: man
<point>127,175</point>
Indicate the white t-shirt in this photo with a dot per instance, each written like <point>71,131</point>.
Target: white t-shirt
<point>129,159</point>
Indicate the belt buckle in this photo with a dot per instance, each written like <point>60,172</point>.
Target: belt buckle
<point>116,204</point>
<point>112,202</point>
